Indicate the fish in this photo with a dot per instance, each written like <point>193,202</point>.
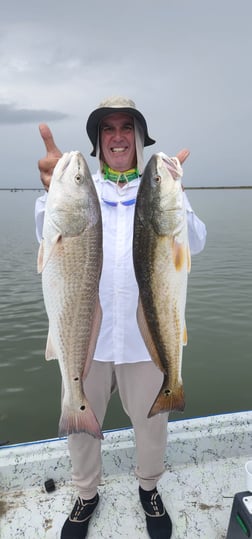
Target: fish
<point>162,261</point>
<point>70,262</point>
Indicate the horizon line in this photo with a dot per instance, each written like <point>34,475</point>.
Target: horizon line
<point>185,188</point>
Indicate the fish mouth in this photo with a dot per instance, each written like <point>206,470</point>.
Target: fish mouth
<point>172,164</point>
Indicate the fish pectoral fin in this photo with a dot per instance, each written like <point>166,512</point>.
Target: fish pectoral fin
<point>185,338</point>
<point>42,261</point>
<point>50,352</point>
<point>40,257</point>
<point>179,252</point>
<point>188,259</point>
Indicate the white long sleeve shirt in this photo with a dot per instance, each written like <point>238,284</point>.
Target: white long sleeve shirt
<point>120,340</point>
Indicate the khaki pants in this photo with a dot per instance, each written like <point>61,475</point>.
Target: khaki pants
<point>138,385</point>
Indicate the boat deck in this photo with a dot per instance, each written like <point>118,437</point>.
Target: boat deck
<point>204,469</point>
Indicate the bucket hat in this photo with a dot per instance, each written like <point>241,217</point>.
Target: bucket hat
<point>110,106</point>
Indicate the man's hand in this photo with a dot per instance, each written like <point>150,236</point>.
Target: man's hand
<point>46,164</point>
<point>182,155</point>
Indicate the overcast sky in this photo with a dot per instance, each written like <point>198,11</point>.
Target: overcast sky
<point>186,63</point>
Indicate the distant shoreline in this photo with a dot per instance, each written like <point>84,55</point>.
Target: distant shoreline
<point>15,189</point>
<point>222,187</point>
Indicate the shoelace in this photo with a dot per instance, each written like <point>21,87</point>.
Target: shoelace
<point>152,506</point>
<point>154,498</point>
<point>79,507</point>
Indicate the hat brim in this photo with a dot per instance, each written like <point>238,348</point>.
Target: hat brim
<point>97,115</point>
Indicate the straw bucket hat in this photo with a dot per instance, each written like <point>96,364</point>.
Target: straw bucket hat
<point>110,106</point>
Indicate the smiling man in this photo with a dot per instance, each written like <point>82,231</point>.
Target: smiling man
<point>117,138</point>
<point>118,132</point>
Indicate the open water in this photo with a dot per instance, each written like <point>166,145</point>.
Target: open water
<point>217,362</point>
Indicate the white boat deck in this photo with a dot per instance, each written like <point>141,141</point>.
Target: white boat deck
<point>204,469</point>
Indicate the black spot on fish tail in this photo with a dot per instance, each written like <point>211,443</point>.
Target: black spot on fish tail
<point>84,420</point>
<point>168,399</point>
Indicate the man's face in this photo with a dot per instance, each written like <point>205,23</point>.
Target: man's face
<point>117,141</point>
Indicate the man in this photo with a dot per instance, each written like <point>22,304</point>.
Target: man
<point>118,132</point>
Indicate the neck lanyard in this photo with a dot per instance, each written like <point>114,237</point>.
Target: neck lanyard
<point>119,177</point>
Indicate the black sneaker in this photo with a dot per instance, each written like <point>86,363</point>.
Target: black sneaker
<point>158,522</point>
<point>76,525</point>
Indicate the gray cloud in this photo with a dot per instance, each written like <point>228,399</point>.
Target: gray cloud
<point>186,64</point>
<point>10,114</point>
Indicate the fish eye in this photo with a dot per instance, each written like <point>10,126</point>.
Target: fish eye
<point>78,178</point>
<point>157,179</point>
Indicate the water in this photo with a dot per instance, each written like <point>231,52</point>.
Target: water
<point>216,362</point>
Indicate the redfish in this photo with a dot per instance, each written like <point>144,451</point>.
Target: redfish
<point>70,259</point>
<point>162,261</point>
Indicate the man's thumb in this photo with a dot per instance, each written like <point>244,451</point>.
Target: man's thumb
<point>48,139</point>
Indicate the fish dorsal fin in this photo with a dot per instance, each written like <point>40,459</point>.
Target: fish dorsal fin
<point>145,332</point>
<point>42,261</point>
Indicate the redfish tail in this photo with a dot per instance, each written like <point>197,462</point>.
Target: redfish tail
<point>168,400</point>
<point>72,421</point>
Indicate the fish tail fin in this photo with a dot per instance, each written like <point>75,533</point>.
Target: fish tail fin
<point>168,400</point>
<point>84,420</point>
